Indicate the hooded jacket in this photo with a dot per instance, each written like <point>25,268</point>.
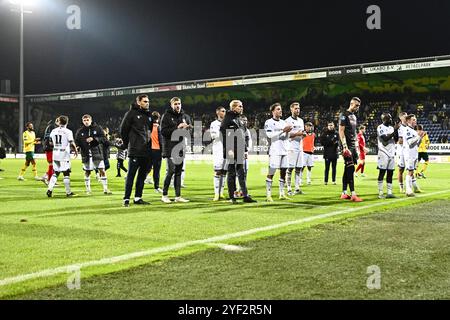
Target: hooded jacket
<point>136,129</point>
<point>232,124</point>
<point>169,123</point>
<point>93,148</point>
<point>330,142</point>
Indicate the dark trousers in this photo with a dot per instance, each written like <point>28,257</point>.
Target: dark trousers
<point>120,166</point>
<point>139,165</point>
<point>175,170</point>
<point>333,163</point>
<point>239,170</point>
<point>156,166</point>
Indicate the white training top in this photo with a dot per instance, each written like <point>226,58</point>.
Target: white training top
<point>278,138</point>
<point>388,149</point>
<point>61,138</point>
<point>401,133</point>
<point>296,143</point>
<point>411,143</point>
<point>216,136</point>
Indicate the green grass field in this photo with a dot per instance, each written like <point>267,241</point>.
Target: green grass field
<point>178,242</point>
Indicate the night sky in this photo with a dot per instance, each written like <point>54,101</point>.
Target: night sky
<point>126,43</point>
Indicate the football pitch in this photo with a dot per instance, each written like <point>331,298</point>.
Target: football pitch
<point>311,247</point>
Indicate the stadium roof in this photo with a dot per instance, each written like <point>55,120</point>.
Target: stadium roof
<point>383,67</point>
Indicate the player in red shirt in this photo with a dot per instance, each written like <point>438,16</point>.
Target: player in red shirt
<point>362,150</point>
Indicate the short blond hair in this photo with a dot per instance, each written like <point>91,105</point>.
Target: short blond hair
<point>235,103</point>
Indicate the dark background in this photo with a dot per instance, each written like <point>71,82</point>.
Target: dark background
<point>126,43</point>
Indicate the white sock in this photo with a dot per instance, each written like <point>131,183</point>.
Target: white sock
<point>221,183</point>
<point>216,184</point>
<point>380,187</point>
<point>104,181</point>
<point>268,188</point>
<point>353,193</point>
<point>67,184</point>
<point>414,182</point>
<point>297,180</point>
<point>389,188</point>
<point>87,183</point>
<point>52,182</point>
<point>408,183</point>
<point>136,198</point>
<point>308,175</point>
<point>282,187</point>
<point>289,180</point>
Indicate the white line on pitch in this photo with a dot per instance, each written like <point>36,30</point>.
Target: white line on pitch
<point>181,245</point>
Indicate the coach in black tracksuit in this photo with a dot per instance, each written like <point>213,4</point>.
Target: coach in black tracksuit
<point>173,151</point>
<point>329,139</point>
<point>136,129</point>
<point>233,132</point>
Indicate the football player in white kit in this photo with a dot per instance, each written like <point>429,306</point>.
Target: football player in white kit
<point>386,155</point>
<point>217,151</point>
<point>62,140</point>
<point>277,130</point>
<point>411,141</point>
<point>295,152</point>
<point>399,150</point>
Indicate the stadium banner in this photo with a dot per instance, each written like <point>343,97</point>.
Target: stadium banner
<point>311,75</point>
<point>406,66</point>
<point>217,84</point>
<point>353,71</point>
<point>335,73</point>
<point>9,99</point>
<point>143,90</point>
<point>439,148</point>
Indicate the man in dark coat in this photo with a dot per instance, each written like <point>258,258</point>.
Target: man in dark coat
<point>135,130</point>
<point>329,139</point>
<point>234,149</point>
<point>174,129</point>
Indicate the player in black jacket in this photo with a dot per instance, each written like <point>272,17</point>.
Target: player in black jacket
<point>234,149</point>
<point>135,130</point>
<point>90,139</point>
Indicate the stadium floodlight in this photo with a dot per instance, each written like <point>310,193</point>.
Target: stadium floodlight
<point>21,4</point>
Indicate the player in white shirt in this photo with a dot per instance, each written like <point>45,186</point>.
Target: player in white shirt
<point>277,131</point>
<point>411,141</point>
<point>61,139</point>
<point>295,151</point>
<point>217,151</point>
<point>399,149</point>
<point>386,155</point>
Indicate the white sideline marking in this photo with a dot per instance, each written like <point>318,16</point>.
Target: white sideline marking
<point>229,247</point>
<point>181,245</point>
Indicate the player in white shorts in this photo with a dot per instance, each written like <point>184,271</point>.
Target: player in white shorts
<point>277,131</point>
<point>386,155</point>
<point>62,139</point>
<point>295,151</point>
<point>399,149</point>
<point>411,141</point>
<point>217,151</point>
<point>89,138</point>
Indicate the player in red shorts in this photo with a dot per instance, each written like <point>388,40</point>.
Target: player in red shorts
<point>362,150</point>
<point>48,148</point>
